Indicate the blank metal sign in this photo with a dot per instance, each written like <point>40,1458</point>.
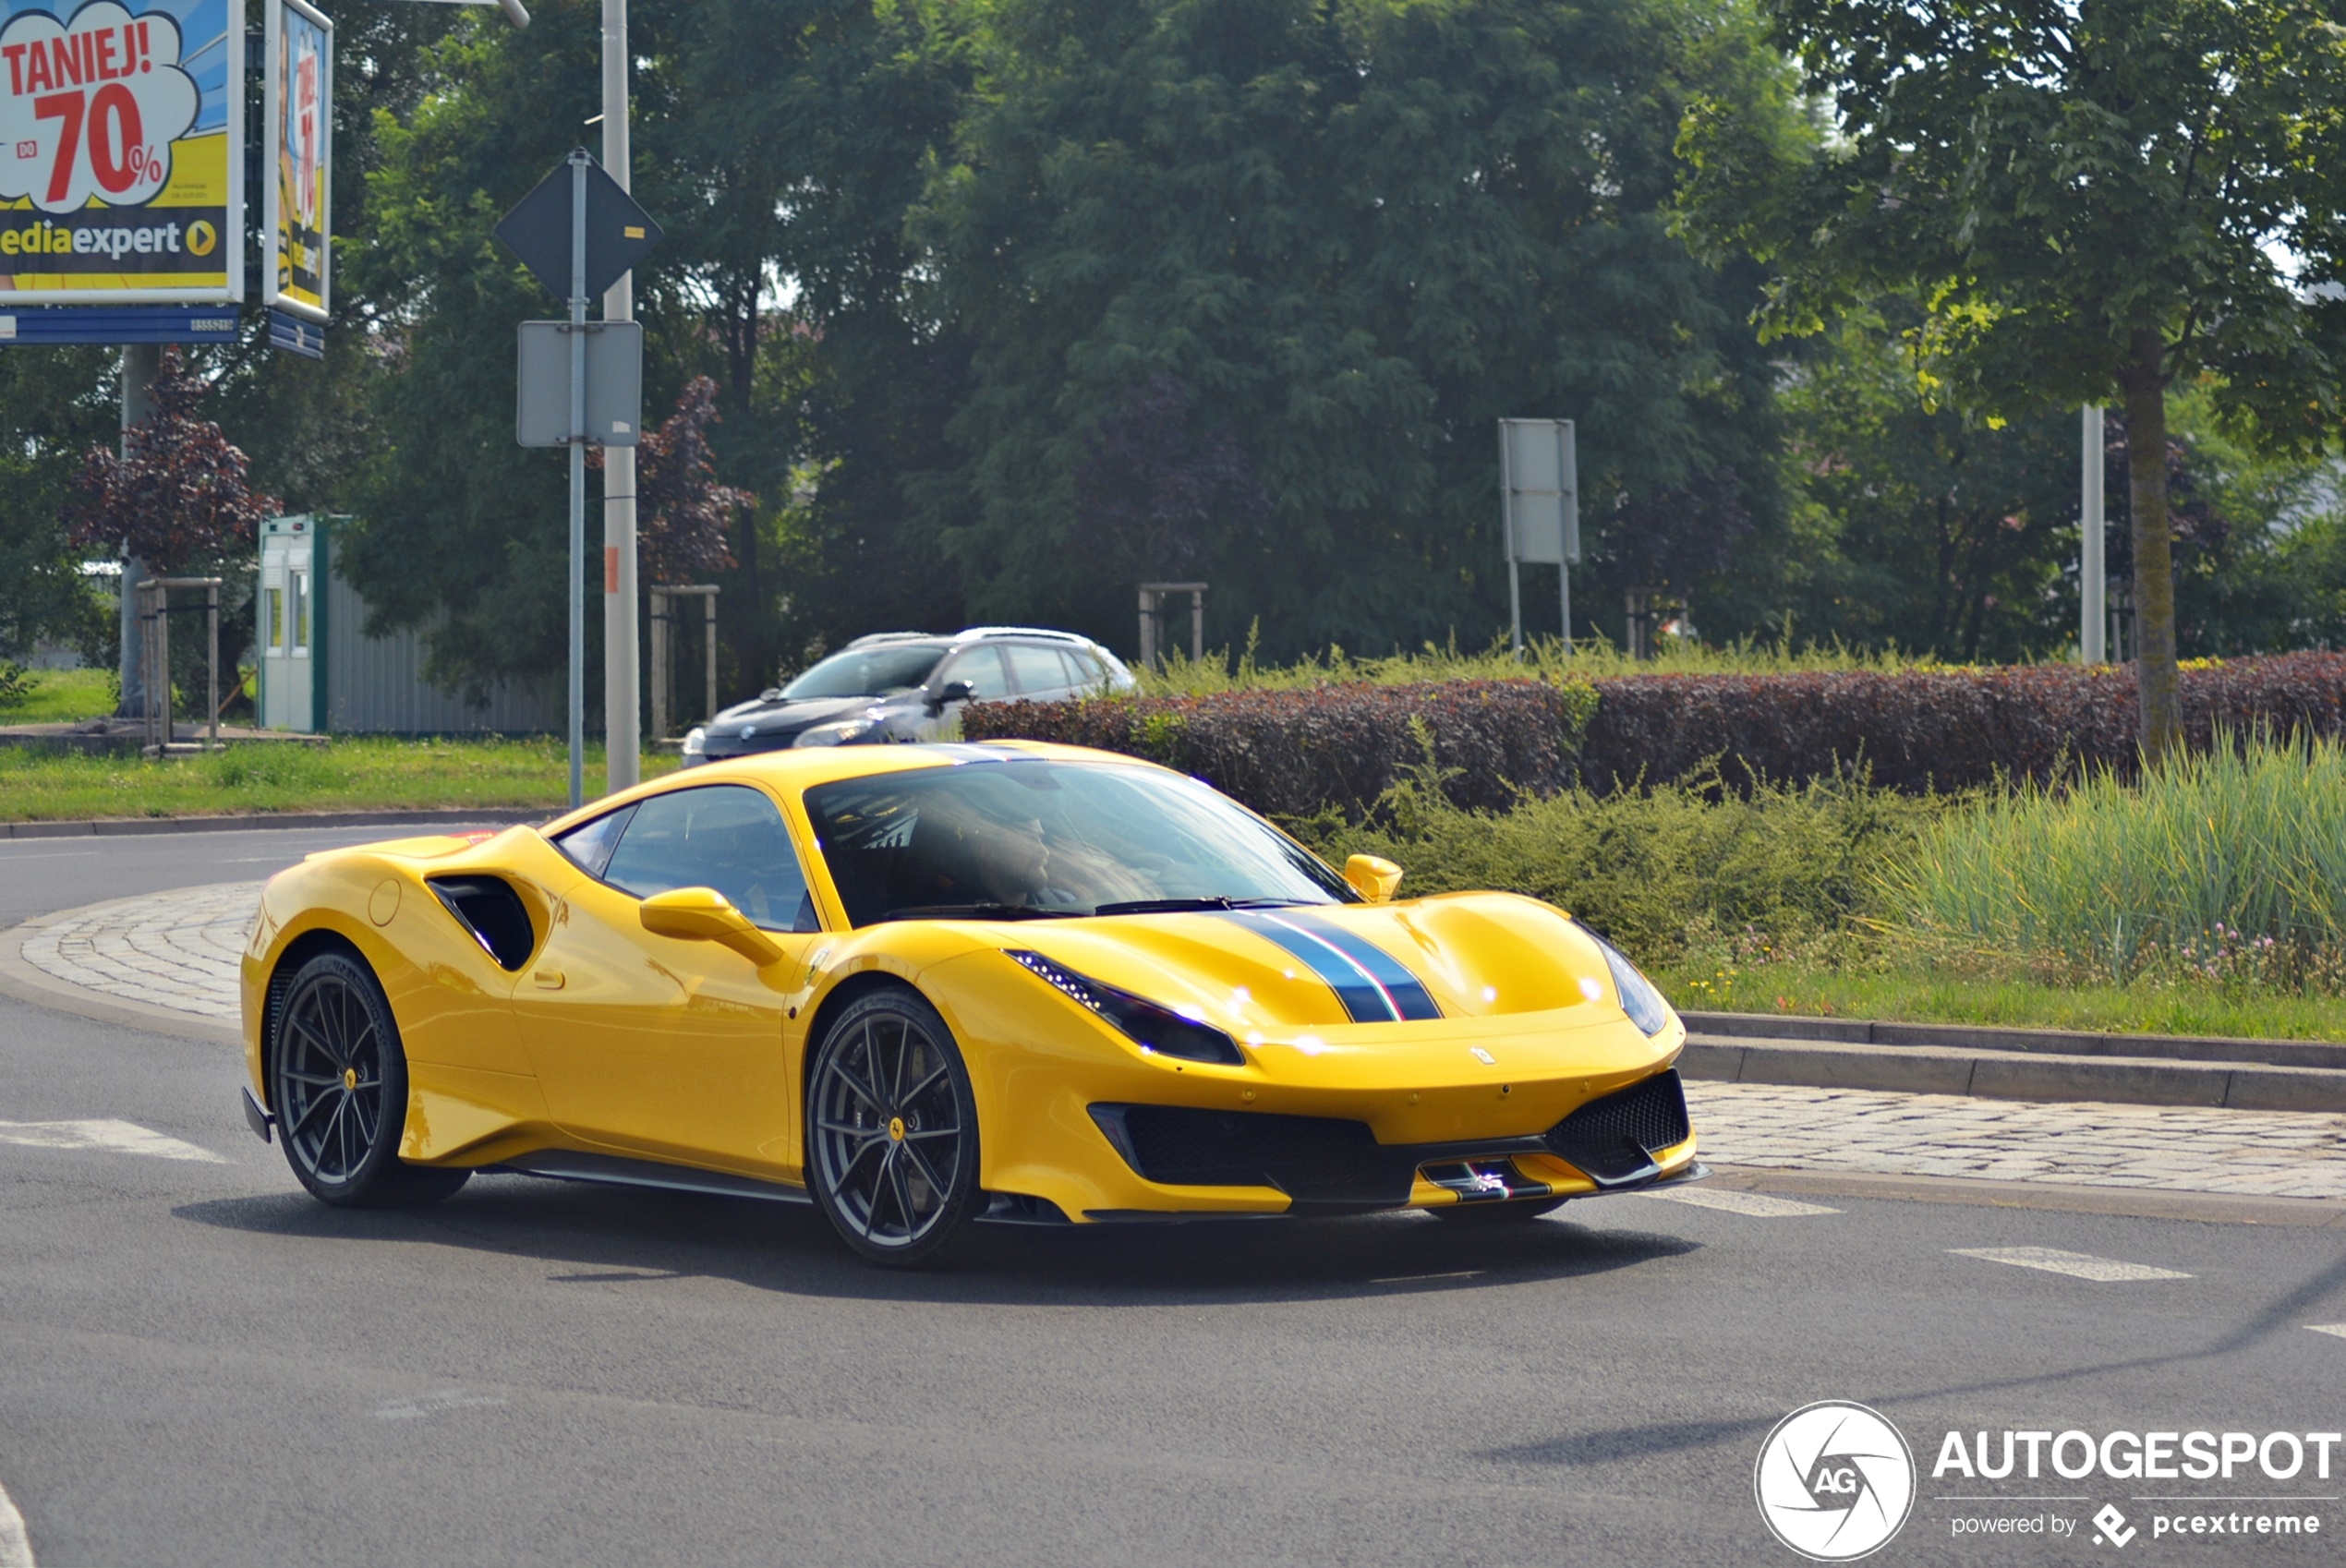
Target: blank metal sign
<point>614,384</point>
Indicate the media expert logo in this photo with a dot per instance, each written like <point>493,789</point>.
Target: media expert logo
<point>1835,1481</point>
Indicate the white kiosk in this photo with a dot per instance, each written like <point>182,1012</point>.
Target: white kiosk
<point>320,672</point>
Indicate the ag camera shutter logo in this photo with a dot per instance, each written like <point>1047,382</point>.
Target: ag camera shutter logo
<point>1835,1481</point>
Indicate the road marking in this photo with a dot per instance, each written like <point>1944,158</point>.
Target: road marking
<point>16,1551</point>
<point>1415,1279</point>
<point>2338,1329</point>
<point>432,1403</point>
<point>120,1137</point>
<point>2078,1265</point>
<point>1758,1206</point>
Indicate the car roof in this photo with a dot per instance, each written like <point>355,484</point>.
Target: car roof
<point>802,767</point>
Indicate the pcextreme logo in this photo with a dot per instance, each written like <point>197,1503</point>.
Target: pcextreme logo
<point>1835,1481</point>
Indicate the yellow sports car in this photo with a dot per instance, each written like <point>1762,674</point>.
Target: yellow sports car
<point>923,984</point>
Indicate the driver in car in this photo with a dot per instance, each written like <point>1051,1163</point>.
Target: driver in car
<point>994,849</point>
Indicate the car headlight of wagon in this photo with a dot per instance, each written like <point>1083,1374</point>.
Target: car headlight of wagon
<point>1639,998</point>
<point>1157,1029</point>
<point>844,732</point>
<point>695,741</point>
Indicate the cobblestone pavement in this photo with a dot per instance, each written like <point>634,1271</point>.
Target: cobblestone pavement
<point>177,949</point>
<point>2244,1153</point>
<point>180,950</point>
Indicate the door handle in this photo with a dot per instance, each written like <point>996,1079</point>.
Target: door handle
<point>549,979</point>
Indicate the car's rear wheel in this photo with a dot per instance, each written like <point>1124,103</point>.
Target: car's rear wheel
<point>891,1128</point>
<point>1506,1211</point>
<point>339,1083</point>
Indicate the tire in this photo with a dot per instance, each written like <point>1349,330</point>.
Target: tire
<point>338,1080</point>
<point>1506,1211</point>
<point>891,1129</point>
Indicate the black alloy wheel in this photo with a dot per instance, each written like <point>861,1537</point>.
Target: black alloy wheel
<point>339,1086</point>
<point>891,1129</point>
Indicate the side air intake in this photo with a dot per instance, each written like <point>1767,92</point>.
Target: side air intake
<point>493,912</point>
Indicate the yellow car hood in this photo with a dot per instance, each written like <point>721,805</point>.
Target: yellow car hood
<point>1460,956</point>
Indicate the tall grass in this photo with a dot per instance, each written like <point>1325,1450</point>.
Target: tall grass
<point>1181,676</point>
<point>1670,873</point>
<point>2228,865</point>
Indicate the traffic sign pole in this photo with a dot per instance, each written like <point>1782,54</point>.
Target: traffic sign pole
<point>578,471</point>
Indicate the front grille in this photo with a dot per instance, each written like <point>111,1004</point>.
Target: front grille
<point>1318,1160</point>
<point>1618,1137</point>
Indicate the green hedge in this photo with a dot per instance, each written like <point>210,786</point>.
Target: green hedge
<point>1295,753</point>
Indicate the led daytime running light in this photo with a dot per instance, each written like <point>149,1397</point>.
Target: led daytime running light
<point>1153,1027</point>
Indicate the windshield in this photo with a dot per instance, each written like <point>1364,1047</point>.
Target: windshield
<point>1024,839</point>
<point>868,672</point>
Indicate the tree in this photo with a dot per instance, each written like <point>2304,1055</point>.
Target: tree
<point>685,510</point>
<point>2090,200</point>
<point>45,426</point>
<point>1357,233</point>
<point>178,495</point>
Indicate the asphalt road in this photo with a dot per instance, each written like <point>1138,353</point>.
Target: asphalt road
<point>197,1364</point>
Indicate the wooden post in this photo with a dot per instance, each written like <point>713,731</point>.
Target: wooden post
<point>659,663</point>
<point>211,663</point>
<point>708,620</point>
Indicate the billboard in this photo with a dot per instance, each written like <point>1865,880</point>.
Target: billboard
<point>121,130</point>
<point>297,99</point>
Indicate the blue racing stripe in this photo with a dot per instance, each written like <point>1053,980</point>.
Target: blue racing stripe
<point>1404,990</point>
<point>1364,1000</point>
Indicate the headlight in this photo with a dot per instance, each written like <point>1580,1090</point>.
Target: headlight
<point>1639,998</point>
<point>695,741</point>
<point>1160,1030</point>
<point>844,732</point>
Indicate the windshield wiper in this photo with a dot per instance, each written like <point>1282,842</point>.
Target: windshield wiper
<point>977,911</point>
<point>1178,906</point>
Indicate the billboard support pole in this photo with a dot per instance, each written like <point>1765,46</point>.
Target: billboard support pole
<point>140,361</point>
<point>622,698</point>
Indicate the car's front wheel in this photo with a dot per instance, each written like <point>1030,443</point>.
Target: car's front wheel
<point>339,1083</point>
<point>891,1128</point>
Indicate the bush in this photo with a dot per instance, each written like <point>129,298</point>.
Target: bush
<point>1922,729</point>
<point>1665,872</point>
<point>1296,752</point>
<point>2225,866</point>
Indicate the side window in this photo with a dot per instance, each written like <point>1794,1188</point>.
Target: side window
<point>1083,672</point>
<point>590,843</point>
<point>981,667</point>
<point>1037,672</point>
<point>722,835</point>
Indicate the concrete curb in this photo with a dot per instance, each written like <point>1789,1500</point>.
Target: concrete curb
<point>1782,1027</point>
<point>499,817</point>
<point>2015,1075</point>
<point>20,981</point>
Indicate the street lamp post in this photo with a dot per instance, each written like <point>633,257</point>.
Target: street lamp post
<point>621,723</point>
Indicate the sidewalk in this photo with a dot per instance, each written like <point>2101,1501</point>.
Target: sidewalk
<point>175,955</point>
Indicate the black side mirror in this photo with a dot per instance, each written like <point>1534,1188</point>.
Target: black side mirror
<point>954,691</point>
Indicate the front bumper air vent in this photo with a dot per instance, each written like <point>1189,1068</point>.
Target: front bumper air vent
<point>1615,1140</point>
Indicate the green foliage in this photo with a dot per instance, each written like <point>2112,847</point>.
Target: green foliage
<point>1353,234</point>
<point>54,404</point>
<point>65,696</point>
<point>361,773</point>
<point>2085,201</point>
<point>1181,676</point>
<point>2229,863</point>
<point>1665,872</point>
